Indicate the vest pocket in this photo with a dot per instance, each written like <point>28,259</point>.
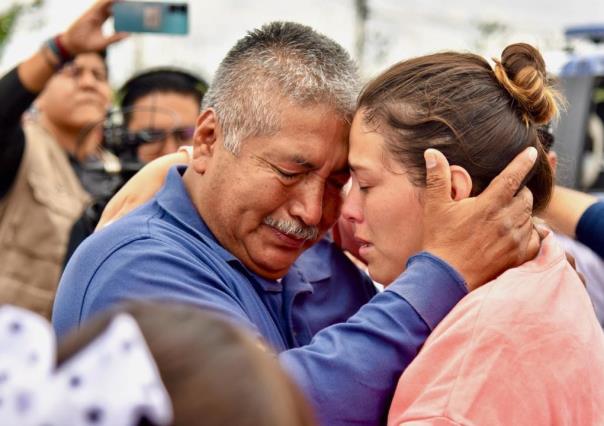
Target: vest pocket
<point>43,225</point>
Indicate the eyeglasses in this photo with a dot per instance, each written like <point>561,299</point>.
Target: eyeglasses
<point>181,135</point>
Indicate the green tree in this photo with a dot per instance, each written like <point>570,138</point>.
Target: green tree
<point>8,18</point>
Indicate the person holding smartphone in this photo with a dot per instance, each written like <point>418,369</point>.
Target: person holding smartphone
<point>41,157</point>
<point>159,107</point>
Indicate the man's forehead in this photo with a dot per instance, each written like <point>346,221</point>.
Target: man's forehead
<point>90,60</point>
<point>146,116</point>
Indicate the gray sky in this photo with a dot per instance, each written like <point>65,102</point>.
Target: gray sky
<point>395,30</point>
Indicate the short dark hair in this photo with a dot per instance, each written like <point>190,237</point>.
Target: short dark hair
<point>164,80</point>
<point>480,118</point>
<point>279,60</point>
<point>215,373</point>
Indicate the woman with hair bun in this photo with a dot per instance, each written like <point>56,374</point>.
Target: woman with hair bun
<point>525,348</point>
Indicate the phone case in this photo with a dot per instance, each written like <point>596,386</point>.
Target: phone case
<point>150,17</point>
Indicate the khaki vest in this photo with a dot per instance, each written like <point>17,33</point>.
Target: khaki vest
<point>36,218</point>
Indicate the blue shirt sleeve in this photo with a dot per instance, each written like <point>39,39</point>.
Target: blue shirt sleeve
<point>349,371</point>
<point>590,229</point>
<point>134,272</point>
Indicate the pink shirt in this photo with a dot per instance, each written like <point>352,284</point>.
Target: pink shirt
<point>525,349</point>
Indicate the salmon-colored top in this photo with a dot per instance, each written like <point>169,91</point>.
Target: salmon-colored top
<point>525,349</point>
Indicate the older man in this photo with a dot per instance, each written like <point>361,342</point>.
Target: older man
<point>264,185</point>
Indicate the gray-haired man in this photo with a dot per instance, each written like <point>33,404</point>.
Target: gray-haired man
<point>263,186</point>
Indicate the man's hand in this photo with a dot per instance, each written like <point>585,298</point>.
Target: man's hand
<point>480,236</point>
<point>85,34</point>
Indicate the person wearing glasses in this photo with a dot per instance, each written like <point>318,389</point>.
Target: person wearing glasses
<point>42,191</point>
<point>159,108</point>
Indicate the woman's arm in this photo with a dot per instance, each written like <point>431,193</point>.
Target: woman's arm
<point>141,187</point>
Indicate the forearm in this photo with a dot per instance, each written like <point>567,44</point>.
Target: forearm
<point>590,228</point>
<point>35,71</point>
<point>566,208</point>
<point>16,100</point>
<point>350,370</point>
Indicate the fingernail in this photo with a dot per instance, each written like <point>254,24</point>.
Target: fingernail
<point>532,153</point>
<point>430,158</point>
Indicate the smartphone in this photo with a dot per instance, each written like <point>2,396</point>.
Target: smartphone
<point>150,17</point>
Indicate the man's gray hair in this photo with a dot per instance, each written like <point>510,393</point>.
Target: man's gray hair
<point>281,61</point>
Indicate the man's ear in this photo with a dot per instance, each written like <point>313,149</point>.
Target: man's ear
<point>461,183</point>
<point>207,133</point>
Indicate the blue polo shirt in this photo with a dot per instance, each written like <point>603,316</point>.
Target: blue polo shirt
<point>344,350</point>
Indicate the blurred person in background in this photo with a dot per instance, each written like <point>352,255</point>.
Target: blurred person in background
<point>142,364</point>
<point>578,220</point>
<point>43,186</point>
<point>230,233</point>
<point>214,372</point>
<point>158,109</point>
<point>578,215</point>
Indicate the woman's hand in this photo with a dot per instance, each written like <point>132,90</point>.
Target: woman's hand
<point>141,187</point>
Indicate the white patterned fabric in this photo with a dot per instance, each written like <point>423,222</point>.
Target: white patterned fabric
<point>112,381</point>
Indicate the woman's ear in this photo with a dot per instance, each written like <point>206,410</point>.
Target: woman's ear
<point>461,183</point>
<point>207,133</point>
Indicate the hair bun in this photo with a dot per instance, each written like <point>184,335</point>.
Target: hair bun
<point>521,72</point>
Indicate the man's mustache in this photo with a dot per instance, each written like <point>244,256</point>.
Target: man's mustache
<point>293,228</point>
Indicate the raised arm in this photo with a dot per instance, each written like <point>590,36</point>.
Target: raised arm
<point>16,99</point>
<point>20,86</point>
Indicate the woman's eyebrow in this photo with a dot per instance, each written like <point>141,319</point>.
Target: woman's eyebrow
<point>357,167</point>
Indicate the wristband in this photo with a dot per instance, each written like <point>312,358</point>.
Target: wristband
<point>55,45</point>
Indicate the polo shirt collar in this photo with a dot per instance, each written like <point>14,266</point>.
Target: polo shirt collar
<point>313,264</point>
<point>175,200</point>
